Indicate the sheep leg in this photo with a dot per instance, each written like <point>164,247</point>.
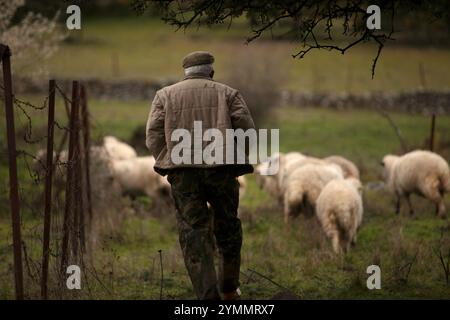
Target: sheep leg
<point>441,209</point>
<point>287,215</point>
<point>411,210</point>
<point>291,208</point>
<point>347,246</point>
<point>434,195</point>
<point>335,242</point>
<point>332,232</point>
<point>353,239</point>
<point>397,205</point>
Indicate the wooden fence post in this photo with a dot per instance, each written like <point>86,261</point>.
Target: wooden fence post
<point>433,128</point>
<point>68,224</point>
<point>12,161</point>
<point>78,223</point>
<point>87,147</point>
<point>48,189</point>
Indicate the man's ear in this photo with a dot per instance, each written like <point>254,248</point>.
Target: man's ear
<point>211,74</point>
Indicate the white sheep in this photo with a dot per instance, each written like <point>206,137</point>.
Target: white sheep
<point>59,166</point>
<point>421,172</point>
<point>271,182</point>
<point>61,162</point>
<point>300,180</point>
<point>349,168</point>
<point>117,149</point>
<point>290,163</point>
<point>268,183</point>
<point>303,187</point>
<point>339,210</point>
<point>136,176</point>
<point>242,186</point>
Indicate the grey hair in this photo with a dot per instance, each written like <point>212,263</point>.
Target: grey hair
<point>201,68</point>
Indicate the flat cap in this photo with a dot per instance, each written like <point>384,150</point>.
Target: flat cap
<point>197,58</point>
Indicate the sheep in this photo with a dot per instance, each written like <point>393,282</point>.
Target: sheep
<point>303,187</point>
<point>117,149</point>
<point>339,211</point>
<point>421,172</point>
<point>136,176</point>
<point>287,165</point>
<point>276,185</point>
<point>98,156</point>
<point>242,186</point>
<point>291,162</point>
<point>268,183</point>
<point>39,166</point>
<point>349,168</point>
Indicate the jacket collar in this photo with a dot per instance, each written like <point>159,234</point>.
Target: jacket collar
<point>197,76</point>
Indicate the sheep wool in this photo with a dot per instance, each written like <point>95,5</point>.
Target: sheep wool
<point>303,187</point>
<point>268,183</point>
<point>421,172</point>
<point>242,186</point>
<point>340,212</point>
<point>136,176</point>
<point>349,168</point>
<point>291,163</point>
<point>118,149</point>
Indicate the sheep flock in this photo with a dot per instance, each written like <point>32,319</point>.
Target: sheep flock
<point>328,189</point>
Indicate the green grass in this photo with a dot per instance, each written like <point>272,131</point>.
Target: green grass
<point>148,49</point>
<point>127,261</point>
<point>126,264</point>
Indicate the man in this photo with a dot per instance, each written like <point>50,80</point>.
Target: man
<point>194,183</point>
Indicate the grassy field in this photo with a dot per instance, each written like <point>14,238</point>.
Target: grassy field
<point>148,49</point>
<point>126,263</point>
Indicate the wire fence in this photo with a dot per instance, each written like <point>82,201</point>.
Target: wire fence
<point>50,180</point>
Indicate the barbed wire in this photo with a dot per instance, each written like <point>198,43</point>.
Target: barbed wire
<point>32,198</point>
<point>22,105</point>
<point>27,103</point>
<point>62,93</point>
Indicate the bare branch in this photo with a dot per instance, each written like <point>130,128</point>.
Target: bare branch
<point>313,23</point>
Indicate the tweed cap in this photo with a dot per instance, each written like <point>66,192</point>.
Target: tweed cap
<point>197,58</point>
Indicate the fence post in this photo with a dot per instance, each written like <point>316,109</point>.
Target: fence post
<point>12,161</point>
<point>423,86</point>
<point>68,216</point>
<point>433,127</point>
<point>87,148</point>
<point>78,231</point>
<point>48,189</point>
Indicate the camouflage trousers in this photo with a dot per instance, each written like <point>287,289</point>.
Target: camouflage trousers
<point>202,229</point>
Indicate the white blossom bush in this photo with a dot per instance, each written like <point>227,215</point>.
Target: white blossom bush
<point>32,40</point>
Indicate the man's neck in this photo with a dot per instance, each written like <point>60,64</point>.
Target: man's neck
<point>197,75</point>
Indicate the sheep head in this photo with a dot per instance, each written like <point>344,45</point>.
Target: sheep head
<point>388,165</point>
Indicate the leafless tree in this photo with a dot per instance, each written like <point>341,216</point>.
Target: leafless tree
<point>314,24</point>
